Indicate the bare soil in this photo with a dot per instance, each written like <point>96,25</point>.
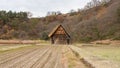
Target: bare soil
<point>39,57</point>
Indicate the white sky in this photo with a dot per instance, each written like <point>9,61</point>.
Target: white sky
<point>40,8</point>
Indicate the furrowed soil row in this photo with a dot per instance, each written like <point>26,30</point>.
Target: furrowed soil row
<point>11,61</point>
<point>10,53</point>
<point>20,64</point>
<point>55,59</point>
<point>17,53</point>
<point>58,63</point>
<point>64,58</point>
<point>36,57</point>
<point>4,58</point>
<point>41,57</point>
<point>50,63</point>
<point>42,61</point>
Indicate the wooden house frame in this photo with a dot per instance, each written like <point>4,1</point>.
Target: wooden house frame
<point>59,36</point>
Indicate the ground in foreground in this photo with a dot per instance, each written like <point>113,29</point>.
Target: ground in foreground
<point>40,57</point>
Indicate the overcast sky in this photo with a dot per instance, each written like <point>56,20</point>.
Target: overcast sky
<point>39,8</point>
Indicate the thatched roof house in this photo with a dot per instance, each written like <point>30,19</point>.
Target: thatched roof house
<point>59,35</point>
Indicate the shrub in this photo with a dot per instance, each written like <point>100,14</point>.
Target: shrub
<point>44,36</point>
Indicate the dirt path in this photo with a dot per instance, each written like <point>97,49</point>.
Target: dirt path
<point>38,57</point>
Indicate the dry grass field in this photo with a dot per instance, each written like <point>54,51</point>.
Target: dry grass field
<point>100,55</point>
<point>109,52</point>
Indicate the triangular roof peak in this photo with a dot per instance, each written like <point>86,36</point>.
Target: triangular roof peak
<point>56,28</point>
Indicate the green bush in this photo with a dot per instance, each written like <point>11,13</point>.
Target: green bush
<point>44,36</point>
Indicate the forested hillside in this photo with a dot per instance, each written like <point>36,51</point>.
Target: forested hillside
<point>98,20</point>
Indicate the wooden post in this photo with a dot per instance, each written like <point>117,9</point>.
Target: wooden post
<point>52,40</point>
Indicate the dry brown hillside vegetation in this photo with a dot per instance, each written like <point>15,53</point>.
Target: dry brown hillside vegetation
<point>99,20</point>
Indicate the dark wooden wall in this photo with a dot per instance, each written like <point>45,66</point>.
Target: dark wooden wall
<point>60,39</point>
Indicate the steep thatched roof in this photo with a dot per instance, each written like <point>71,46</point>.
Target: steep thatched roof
<point>55,29</point>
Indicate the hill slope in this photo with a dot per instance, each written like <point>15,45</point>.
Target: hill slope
<point>96,23</point>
